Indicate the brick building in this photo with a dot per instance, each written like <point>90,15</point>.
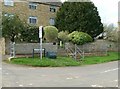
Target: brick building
<point>33,12</point>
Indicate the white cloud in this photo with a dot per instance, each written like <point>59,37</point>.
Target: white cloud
<point>108,10</point>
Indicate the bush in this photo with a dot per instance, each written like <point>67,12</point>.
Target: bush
<point>50,33</point>
<point>63,36</point>
<point>79,38</point>
<point>30,34</point>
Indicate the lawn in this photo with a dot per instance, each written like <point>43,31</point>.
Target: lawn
<point>65,61</point>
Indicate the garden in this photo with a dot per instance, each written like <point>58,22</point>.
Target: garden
<point>64,61</point>
<point>78,30</point>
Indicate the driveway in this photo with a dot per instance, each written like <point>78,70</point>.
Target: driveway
<point>98,75</point>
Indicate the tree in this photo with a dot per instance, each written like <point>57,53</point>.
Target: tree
<point>30,34</point>
<point>111,33</point>
<point>63,36</point>
<point>11,27</point>
<point>79,38</point>
<point>50,33</point>
<point>79,16</point>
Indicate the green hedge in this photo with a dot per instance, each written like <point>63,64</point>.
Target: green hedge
<point>63,36</point>
<point>50,33</point>
<point>79,38</point>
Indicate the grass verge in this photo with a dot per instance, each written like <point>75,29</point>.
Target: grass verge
<point>65,61</point>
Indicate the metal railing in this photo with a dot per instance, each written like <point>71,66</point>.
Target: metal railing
<point>76,51</point>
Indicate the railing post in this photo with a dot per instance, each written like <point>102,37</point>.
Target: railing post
<point>75,52</point>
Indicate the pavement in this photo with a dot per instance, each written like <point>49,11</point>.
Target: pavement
<point>98,75</point>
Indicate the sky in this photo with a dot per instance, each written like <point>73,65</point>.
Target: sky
<point>108,11</point>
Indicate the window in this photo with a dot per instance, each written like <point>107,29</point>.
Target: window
<point>52,9</point>
<point>52,21</point>
<point>32,20</point>
<point>10,15</point>
<point>32,6</point>
<point>8,2</point>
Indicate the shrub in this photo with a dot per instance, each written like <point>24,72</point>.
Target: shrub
<point>79,38</point>
<point>30,34</point>
<point>63,36</point>
<point>50,33</point>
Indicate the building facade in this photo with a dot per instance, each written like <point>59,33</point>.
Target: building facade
<point>32,12</point>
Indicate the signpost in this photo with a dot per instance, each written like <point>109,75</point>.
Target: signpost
<point>40,36</point>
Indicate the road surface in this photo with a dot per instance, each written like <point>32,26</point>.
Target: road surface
<point>98,75</point>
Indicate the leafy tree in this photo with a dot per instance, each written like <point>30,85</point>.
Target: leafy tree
<point>50,33</point>
<point>79,38</point>
<point>0,26</point>
<point>63,36</point>
<point>111,32</point>
<point>11,27</point>
<point>30,34</point>
<point>79,16</point>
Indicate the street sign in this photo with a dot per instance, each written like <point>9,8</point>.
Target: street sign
<point>40,36</point>
<point>40,31</point>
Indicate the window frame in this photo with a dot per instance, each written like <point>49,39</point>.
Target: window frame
<point>32,6</point>
<point>8,3</point>
<point>9,15</point>
<point>53,8</point>
<point>32,18</point>
<point>52,21</point>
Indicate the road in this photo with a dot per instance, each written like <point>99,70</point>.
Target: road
<point>98,75</point>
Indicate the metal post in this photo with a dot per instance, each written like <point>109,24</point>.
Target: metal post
<point>33,53</point>
<point>40,48</point>
<point>75,52</point>
<point>83,52</point>
<point>13,49</point>
<point>40,36</point>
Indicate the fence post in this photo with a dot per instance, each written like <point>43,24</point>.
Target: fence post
<point>75,52</point>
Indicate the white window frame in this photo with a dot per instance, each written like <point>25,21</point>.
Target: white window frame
<point>32,6</point>
<point>52,21</point>
<point>34,18</point>
<point>52,8</point>
<point>9,15</point>
<point>8,2</point>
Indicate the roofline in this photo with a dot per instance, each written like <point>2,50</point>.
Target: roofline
<point>45,3</point>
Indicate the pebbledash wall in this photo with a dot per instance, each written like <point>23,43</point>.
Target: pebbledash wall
<point>27,48</point>
<point>2,48</point>
<point>98,46</point>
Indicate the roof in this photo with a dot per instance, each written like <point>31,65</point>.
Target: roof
<point>48,2</point>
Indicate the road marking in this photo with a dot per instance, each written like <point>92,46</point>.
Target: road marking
<point>31,68</point>
<point>30,84</point>
<point>69,78</point>
<point>116,80</point>
<point>93,85</point>
<point>20,85</point>
<point>96,86</point>
<point>76,76</point>
<point>109,70</point>
<point>0,68</point>
<point>7,73</point>
<point>43,75</point>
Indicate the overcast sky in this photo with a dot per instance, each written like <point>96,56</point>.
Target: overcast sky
<point>108,10</point>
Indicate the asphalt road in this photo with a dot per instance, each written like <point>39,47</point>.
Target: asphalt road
<point>100,75</point>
